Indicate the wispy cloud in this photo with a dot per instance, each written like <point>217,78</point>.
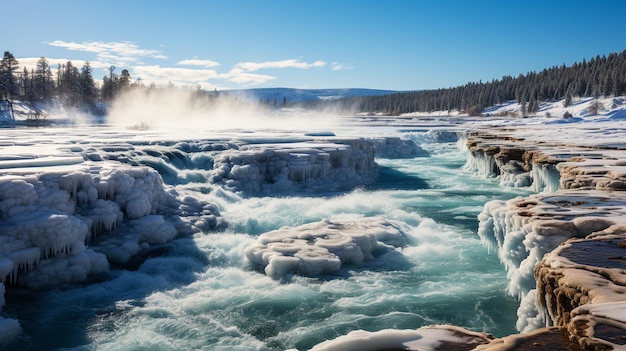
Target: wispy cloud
<point>31,63</point>
<point>193,76</point>
<point>337,66</point>
<point>114,52</point>
<point>156,72</point>
<point>291,63</point>
<point>238,75</point>
<point>198,62</point>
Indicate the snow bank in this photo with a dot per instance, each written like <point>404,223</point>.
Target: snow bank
<point>321,248</point>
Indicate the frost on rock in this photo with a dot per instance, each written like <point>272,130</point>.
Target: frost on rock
<point>320,248</point>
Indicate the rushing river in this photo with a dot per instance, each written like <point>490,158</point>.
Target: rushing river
<point>200,292</point>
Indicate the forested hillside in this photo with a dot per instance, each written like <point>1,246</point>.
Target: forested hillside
<point>602,75</point>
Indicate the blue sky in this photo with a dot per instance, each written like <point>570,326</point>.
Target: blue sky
<point>390,44</point>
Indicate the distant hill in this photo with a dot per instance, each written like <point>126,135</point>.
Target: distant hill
<point>299,95</point>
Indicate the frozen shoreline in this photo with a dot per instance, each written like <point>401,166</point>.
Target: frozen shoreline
<point>581,202</point>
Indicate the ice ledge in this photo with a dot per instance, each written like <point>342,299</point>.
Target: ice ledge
<point>563,248</point>
<point>314,166</point>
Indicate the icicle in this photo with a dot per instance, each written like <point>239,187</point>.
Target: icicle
<point>484,164</point>
<point>299,166</point>
<point>546,177</point>
<point>6,269</point>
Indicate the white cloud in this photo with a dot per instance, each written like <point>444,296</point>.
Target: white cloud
<point>197,62</point>
<point>237,75</point>
<point>158,73</point>
<point>116,52</point>
<point>291,63</point>
<point>31,63</point>
<point>336,66</point>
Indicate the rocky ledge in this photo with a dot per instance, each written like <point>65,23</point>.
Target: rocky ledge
<point>565,247</point>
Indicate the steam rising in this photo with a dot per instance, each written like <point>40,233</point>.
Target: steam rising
<point>190,109</point>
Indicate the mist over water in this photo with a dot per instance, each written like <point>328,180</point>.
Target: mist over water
<point>200,293</point>
<point>178,108</point>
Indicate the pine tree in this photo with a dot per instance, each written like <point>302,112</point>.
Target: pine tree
<point>568,99</point>
<point>87,87</point>
<point>109,85</point>
<point>69,85</point>
<point>43,86</point>
<point>27,87</point>
<point>9,89</point>
<point>123,82</point>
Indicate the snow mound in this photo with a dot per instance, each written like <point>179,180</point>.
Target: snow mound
<point>49,217</point>
<point>321,248</point>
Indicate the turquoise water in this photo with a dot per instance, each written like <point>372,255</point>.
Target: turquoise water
<point>200,293</point>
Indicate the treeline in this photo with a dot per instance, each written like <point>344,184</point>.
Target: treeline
<point>602,75</point>
<point>71,86</point>
<point>75,87</point>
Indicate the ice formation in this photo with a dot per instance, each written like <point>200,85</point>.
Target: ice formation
<point>63,221</point>
<point>581,195</point>
<point>523,230</point>
<point>48,219</point>
<point>70,209</point>
<point>321,248</point>
<point>513,165</point>
<point>396,147</point>
<point>311,166</point>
